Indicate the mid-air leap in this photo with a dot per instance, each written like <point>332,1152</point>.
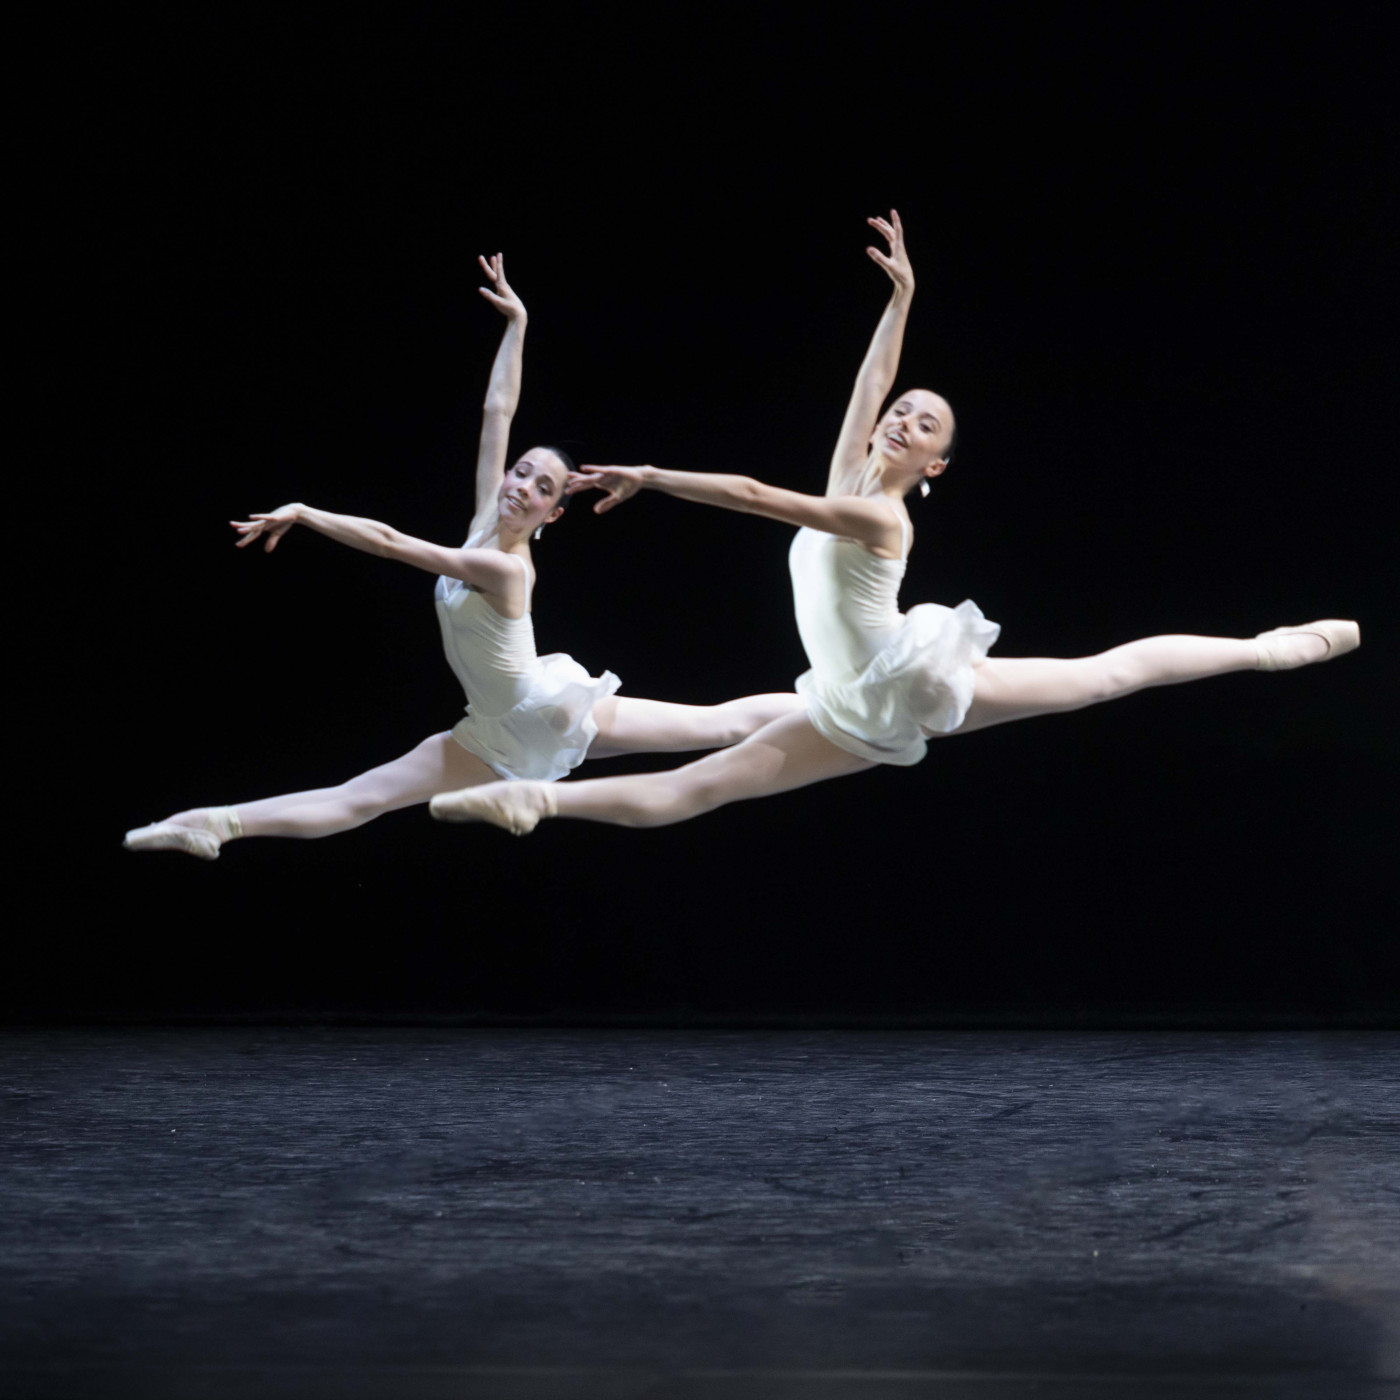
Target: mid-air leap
<point>881,682</point>
<point>529,716</point>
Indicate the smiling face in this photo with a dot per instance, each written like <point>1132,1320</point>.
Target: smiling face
<point>915,433</point>
<point>532,491</point>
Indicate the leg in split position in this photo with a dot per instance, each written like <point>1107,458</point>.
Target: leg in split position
<point>783,755</point>
<point>1010,688</point>
<point>438,764</point>
<point>789,753</point>
<point>627,725</point>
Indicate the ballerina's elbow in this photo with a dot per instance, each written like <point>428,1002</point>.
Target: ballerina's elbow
<point>752,495</point>
<point>389,543</point>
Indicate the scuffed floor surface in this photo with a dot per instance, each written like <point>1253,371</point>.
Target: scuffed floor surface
<point>440,1213</point>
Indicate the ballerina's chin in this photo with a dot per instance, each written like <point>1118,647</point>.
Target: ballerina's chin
<point>528,716</point>
<point>881,683</point>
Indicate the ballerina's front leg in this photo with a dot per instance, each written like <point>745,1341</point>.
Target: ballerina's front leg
<point>1012,688</point>
<point>435,765</point>
<point>786,754</point>
<point>438,764</point>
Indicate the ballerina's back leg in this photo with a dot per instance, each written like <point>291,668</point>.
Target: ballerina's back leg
<point>862,508</point>
<point>785,754</point>
<point>629,725</point>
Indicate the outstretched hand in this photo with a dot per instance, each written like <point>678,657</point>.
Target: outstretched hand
<point>501,294</point>
<point>616,483</point>
<point>270,527</point>
<point>896,261</point>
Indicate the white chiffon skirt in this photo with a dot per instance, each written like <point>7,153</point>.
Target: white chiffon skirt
<point>547,733</point>
<point>919,683</point>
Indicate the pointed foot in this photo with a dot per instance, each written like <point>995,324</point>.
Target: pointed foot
<point>1287,648</point>
<point>169,836</point>
<point>516,807</point>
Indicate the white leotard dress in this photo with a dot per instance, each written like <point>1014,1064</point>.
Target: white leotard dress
<point>880,679</point>
<point>528,716</point>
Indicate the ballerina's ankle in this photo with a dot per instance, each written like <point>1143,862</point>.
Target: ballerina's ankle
<point>1274,653</point>
<point>224,823</point>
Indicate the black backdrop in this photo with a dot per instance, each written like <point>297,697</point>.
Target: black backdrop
<point>1151,281</point>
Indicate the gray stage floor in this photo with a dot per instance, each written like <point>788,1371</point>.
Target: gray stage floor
<point>435,1213</point>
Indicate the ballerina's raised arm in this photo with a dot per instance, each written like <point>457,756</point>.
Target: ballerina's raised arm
<point>502,391</point>
<point>877,372</point>
<point>876,459</point>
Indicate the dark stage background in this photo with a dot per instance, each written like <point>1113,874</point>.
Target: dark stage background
<point>1153,281</point>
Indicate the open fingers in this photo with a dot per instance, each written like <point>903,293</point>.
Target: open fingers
<point>614,492</point>
<point>883,259</point>
<point>886,231</point>
<point>486,267</point>
<point>494,298</point>
<point>891,229</point>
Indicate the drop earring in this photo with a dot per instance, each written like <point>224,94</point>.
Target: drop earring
<point>539,530</point>
<point>924,487</point>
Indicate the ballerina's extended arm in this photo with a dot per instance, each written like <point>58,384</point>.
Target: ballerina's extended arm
<point>871,521</point>
<point>502,392</point>
<point>489,571</point>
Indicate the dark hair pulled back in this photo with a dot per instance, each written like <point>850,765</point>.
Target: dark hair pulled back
<point>563,501</point>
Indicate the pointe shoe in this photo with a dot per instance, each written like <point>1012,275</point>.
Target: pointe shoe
<point>517,806</point>
<point>1340,636</point>
<point>167,836</point>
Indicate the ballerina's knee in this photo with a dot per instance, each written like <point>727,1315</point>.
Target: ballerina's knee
<point>732,724</point>
<point>353,808</point>
<point>1106,677</point>
<point>1075,684</point>
<point>674,799</point>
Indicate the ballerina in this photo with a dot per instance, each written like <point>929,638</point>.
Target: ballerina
<point>881,683</point>
<point>529,716</point>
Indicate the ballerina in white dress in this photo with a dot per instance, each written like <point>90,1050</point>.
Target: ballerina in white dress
<point>528,716</point>
<point>881,683</point>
